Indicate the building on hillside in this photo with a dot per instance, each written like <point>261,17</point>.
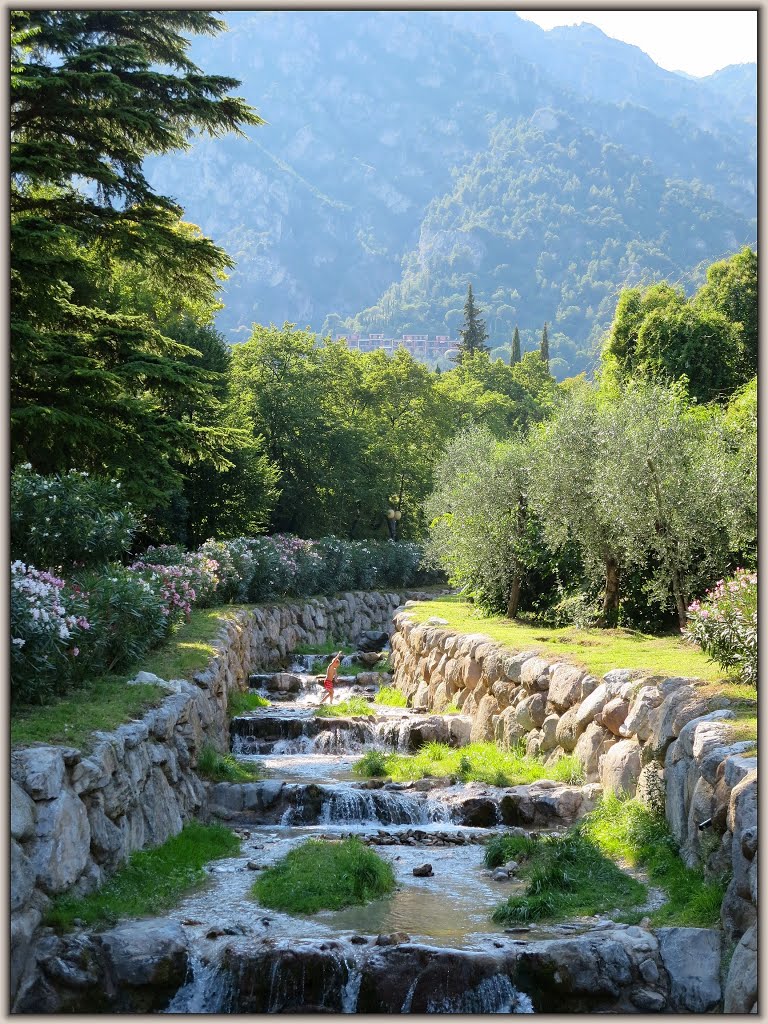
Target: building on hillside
<point>420,346</point>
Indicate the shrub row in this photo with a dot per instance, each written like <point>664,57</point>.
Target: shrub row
<point>77,610</point>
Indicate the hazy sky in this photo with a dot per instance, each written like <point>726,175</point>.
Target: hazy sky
<point>698,42</point>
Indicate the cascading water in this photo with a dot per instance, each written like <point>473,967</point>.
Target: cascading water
<point>491,995</point>
<point>377,807</point>
<point>208,989</point>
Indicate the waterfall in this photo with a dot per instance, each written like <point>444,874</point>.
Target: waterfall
<point>351,989</point>
<point>379,807</point>
<point>496,994</point>
<point>208,989</point>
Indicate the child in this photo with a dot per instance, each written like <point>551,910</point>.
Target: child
<point>328,681</point>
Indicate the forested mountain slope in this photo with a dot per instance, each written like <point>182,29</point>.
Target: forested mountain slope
<point>374,116</point>
<point>549,222</point>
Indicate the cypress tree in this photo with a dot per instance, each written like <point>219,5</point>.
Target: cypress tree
<point>473,334</point>
<point>544,347</point>
<point>515,357</point>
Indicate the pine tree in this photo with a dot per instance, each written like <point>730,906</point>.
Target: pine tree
<point>544,347</point>
<point>515,358</point>
<point>94,375</point>
<point>473,334</point>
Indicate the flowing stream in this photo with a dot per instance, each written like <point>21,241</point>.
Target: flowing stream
<point>351,960</point>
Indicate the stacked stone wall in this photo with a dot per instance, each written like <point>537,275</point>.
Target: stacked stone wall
<point>655,738</point>
<point>76,816</point>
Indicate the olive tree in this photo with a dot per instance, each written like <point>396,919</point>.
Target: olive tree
<point>678,482</point>
<point>574,491</point>
<point>479,517</point>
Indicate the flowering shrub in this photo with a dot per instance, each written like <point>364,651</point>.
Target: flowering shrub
<point>724,624</point>
<point>47,624</point>
<point>339,571</point>
<point>128,617</point>
<point>172,585</point>
<point>68,519</point>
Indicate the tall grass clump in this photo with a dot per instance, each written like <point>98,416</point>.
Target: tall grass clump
<point>323,875</point>
<point>225,767</point>
<point>345,708</point>
<point>390,696</point>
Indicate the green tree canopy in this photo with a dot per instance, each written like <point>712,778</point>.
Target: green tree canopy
<point>101,265</point>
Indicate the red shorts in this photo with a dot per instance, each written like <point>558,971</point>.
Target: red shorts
<point>328,684</point>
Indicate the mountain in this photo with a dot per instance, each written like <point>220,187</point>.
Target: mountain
<point>374,116</point>
<point>548,223</point>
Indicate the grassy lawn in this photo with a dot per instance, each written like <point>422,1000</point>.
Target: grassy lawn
<point>152,880</point>
<point>322,875</point>
<point>477,762</point>
<point>191,646</point>
<point>597,650</point>
<point>103,703</point>
<point>99,704</point>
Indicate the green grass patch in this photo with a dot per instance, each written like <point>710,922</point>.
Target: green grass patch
<point>478,762</point>
<point>500,849</point>
<point>225,767</point>
<point>391,697</point>
<point>152,880</point>
<point>626,830</point>
<point>346,708</point>
<point>99,704</point>
<point>242,701</point>
<point>329,647</point>
<point>192,644</point>
<point>568,876</point>
<point>597,650</point>
<point>450,709</point>
<point>322,875</point>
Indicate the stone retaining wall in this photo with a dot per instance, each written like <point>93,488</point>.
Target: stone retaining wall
<point>76,817</point>
<point>634,734</point>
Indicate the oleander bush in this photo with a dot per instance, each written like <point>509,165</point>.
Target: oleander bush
<point>724,624</point>
<point>68,519</point>
<point>77,610</point>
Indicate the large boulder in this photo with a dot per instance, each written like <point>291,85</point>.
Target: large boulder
<point>534,674</point>
<point>483,724</point>
<point>62,842</point>
<point>637,722</point>
<point>619,768</point>
<point>741,985</point>
<point>39,770</point>
<point>22,813</point>
<point>592,705</point>
<point>591,745</point>
<point>565,686</point>
<point>611,971</point>
<point>569,728</point>
<point>507,730</point>
<point>531,712</point>
<point>691,957</point>
<point>147,962</point>
<point>613,715</point>
<point>22,877</point>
